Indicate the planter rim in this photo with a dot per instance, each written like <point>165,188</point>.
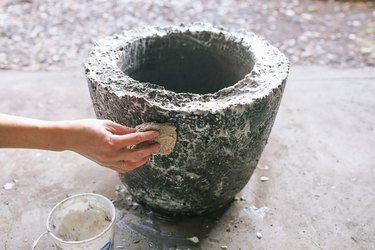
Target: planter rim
<point>270,69</point>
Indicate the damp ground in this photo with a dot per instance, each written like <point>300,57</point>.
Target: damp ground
<point>313,188</point>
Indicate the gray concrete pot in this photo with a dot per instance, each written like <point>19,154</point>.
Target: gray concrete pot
<point>221,90</point>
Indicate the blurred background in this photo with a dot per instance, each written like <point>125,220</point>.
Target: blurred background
<point>51,34</point>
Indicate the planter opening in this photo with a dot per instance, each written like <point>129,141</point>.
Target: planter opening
<point>200,62</point>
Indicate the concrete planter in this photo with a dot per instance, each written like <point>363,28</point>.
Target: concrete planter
<point>220,89</point>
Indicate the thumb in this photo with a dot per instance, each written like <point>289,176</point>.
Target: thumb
<point>119,129</point>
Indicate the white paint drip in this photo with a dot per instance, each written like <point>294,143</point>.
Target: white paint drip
<point>257,212</point>
<point>10,185</point>
<point>194,239</point>
<point>264,178</point>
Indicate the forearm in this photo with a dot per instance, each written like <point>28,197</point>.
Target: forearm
<point>102,141</point>
<point>18,132</point>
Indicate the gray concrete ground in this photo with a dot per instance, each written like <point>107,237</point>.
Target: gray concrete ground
<point>320,162</point>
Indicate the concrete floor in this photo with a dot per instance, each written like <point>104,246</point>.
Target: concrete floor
<point>320,158</point>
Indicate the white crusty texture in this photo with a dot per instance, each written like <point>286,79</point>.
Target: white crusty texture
<point>166,139</point>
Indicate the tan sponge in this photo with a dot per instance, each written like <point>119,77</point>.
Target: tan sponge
<point>167,137</point>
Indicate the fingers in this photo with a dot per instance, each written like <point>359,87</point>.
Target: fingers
<point>125,154</point>
<point>134,138</point>
<point>127,166</point>
<point>118,129</point>
<point>129,159</point>
<point>117,155</point>
<point>137,154</point>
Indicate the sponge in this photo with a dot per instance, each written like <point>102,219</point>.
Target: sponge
<point>167,137</point>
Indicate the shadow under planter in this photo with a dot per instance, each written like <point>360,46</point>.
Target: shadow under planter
<point>220,88</point>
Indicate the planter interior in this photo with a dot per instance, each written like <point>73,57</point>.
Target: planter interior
<point>188,62</point>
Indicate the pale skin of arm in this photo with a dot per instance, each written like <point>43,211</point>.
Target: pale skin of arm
<point>102,141</point>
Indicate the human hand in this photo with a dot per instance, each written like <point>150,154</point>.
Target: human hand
<point>109,144</point>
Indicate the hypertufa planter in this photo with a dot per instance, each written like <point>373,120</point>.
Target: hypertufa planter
<point>221,89</point>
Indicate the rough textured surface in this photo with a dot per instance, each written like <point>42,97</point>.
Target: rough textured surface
<point>220,134</point>
<point>167,137</point>
<point>320,193</point>
<point>55,34</point>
